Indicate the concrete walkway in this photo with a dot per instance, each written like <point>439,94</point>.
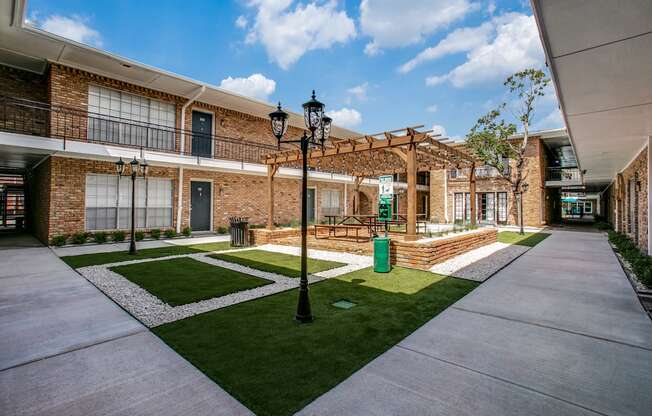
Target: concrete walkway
<point>66,349</point>
<point>558,332</point>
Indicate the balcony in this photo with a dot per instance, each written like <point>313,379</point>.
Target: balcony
<point>70,124</point>
<point>480,172</point>
<point>556,177</point>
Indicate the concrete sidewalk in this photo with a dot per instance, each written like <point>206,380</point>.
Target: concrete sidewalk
<point>558,332</point>
<point>112,247</point>
<point>66,349</point>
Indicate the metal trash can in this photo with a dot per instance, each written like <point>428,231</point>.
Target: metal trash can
<point>239,230</point>
<point>381,255</point>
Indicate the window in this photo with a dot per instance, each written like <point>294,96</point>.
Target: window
<point>459,207</point>
<point>108,202</point>
<point>467,206</point>
<point>588,207</point>
<point>330,202</point>
<point>122,118</point>
<point>502,207</point>
<point>487,206</point>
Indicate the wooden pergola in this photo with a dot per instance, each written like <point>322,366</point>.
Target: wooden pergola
<point>398,151</point>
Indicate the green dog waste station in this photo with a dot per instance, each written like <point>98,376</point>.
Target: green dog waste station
<point>381,255</point>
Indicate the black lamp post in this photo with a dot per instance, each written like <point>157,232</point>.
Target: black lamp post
<point>137,169</point>
<point>320,127</point>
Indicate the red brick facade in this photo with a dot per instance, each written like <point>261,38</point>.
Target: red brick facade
<point>443,189</point>
<point>627,198</point>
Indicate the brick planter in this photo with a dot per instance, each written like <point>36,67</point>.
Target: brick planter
<point>425,253</point>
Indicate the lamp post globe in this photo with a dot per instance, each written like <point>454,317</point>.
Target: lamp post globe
<point>279,121</point>
<point>313,112</point>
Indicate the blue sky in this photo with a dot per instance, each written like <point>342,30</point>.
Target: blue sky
<point>377,64</point>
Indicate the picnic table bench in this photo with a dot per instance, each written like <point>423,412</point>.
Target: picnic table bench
<point>333,228</point>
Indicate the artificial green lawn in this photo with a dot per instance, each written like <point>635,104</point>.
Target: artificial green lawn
<point>274,366</point>
<point>284,264</point>
<point>148,253</point>
<point>527,239</point>
<point>184,280</point>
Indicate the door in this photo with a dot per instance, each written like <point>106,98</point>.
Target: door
<point>200,206</point>
<point>202,129</point>
<point>311,204</point>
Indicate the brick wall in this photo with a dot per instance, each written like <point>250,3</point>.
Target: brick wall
<point>534,210</point>
<point>424,255</point>
<point>23,84</point>
<point>636,226</point>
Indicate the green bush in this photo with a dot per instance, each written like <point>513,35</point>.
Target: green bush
<point>222,230</point>
<point>118,236</point>
<point>59,240</point>
<point>641,263</point>
<point>186,231</point>
<point>79,238</point>
<point>100,237</point>
<point>170,233</point>
<point>601,225</point>
<point>155,233</point>
<point>139,235</point>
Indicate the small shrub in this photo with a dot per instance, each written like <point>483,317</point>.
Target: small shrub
<point>222,230</point>
<point>79,238</point>
<point>100,237</point>
<point>601,225</point>
<point>139,235</point>
<point>155,233</point>
<point>641,263</point>
<point>186,231</point>
<point>118,236</point>
<point>59,240</point>
<point>170,233</point>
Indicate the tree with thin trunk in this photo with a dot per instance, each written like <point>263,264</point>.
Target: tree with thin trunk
<point>490,139</point>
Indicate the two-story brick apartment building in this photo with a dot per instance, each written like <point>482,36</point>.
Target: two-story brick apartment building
<point>550,171</point>
<point>68,112</point>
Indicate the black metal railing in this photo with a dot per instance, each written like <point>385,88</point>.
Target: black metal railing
<point>65,123</point>
<point>563,174</point>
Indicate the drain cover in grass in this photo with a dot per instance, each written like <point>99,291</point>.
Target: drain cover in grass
<point>344,304</point>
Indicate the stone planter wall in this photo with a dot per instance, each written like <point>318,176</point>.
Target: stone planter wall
<point>425,253</point>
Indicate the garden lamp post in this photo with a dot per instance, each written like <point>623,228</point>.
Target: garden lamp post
<point>320,126</point>
<point>137,169</point>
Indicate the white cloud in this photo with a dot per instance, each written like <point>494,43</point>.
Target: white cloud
<point>288,34</point>
<point>459,40</point>
<point>437,129</point>
<point>74,28</point>
<point>514,47</point>
<point>345,117</point>
<point>359,91</point>
<point>256,86</point>
<point>241,22</point>
<point>432,108</point>
<point>552,120</point>
<point>391,24</point>
<point>491,7</point>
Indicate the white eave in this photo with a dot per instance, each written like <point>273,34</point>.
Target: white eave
<point>28,48</point>
<point>599,54</point>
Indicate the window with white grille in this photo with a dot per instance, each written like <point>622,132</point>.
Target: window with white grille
<point>123,118</point>
<point>108,202</point>
<point>330,202</point>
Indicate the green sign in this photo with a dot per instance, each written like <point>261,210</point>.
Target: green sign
<point>385,208</point>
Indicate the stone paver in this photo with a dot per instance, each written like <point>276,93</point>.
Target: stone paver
<point>559,331</point>
<point>66,349</point>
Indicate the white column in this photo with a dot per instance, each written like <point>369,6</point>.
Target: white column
<point>445,196</point>
<point>179,199</point>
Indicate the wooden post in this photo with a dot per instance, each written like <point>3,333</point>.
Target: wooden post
<point>271,171</point>
<point>472,195</point>
<point>356,195</point>
<point>411,193</point>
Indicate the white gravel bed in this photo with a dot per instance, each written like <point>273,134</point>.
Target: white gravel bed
<point>480,263</point>
<point>153,312</point>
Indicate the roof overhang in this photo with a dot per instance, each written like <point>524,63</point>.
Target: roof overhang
<point>26,47</point>
<point>599,55</point>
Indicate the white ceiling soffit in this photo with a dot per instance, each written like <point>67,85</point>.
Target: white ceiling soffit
<point>600,55</point>
<point>36,44</point>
